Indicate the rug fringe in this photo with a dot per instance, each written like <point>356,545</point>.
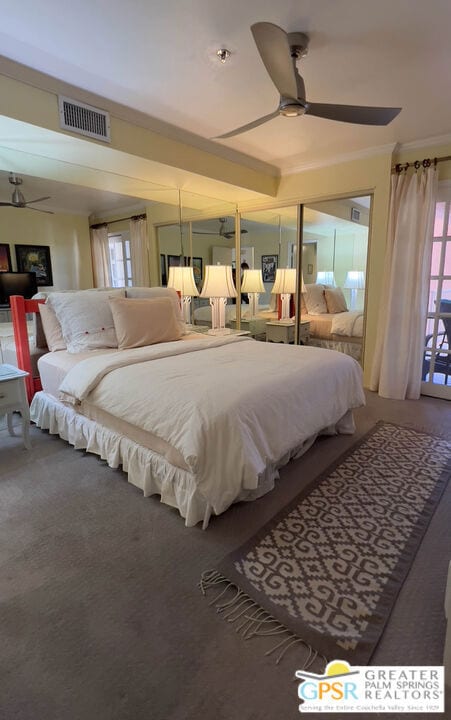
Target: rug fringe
<point>251,620</point>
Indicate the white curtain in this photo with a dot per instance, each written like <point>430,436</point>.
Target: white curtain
<point>101,268</point>
<point>138,250</point>
<point>396,371</point>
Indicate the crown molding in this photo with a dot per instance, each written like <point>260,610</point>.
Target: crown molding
<point>363,154</point>
<point>425,142</point>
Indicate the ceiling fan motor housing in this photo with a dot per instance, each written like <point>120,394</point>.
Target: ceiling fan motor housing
<point>18,198</point>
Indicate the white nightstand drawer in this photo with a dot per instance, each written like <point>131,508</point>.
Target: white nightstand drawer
<point>10,393</point>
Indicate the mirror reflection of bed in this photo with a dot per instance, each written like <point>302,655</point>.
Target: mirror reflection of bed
<point>335,248</point>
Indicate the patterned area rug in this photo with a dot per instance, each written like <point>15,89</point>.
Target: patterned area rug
<point>326,571</point>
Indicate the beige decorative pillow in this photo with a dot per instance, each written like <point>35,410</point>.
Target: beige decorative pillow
<point>51,327</point>
<point>136,292</point>
<point>335,300</point>
<point>315,300</point>
<point>145,321</point>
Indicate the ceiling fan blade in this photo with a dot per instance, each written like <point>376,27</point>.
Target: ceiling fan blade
<point>204,232</point>
<point>353,113</point>
<point>31,202</point>
<point>49,212</point>
<point>249,126</point>
<point>274,48</point>
<point>4,204</point>
<point>231,233</point>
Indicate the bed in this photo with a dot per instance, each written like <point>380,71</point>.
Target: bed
<point>341,331</point>
<point>201,421</point>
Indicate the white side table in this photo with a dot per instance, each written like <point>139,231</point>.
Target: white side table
<point>279,331</point>
<point>13,397</point>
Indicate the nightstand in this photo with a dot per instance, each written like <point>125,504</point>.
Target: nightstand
<point>13,397</point>
<point>203,329</point>
<point>283,332</point>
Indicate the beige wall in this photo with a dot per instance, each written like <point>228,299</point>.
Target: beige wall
<point>66,235</point>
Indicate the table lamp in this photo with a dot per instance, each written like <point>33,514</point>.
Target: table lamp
<point>252,284</point>
<point>285,285</point>
<point>182,280</point>
<point>218,286</point>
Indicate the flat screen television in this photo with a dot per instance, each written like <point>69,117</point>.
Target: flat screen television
<point>16,283</point>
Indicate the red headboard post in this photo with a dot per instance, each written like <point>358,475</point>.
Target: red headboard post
<point>19,309</point>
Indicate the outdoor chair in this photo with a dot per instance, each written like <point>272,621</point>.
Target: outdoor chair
<point>442,358</point>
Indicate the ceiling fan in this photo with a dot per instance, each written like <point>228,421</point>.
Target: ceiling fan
<point>222,232</point>
<point>18,199</point>
<point>280,51</point>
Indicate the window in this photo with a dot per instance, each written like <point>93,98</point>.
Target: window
<point>436,372</point>
<point>120,259</point>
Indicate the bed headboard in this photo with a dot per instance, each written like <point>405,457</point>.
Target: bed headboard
<point>19,309</point>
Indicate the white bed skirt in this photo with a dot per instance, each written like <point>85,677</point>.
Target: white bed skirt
<point>147,470</point>
<point>354,349</point>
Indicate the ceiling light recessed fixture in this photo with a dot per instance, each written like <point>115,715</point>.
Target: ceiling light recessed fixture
<point>223,54</point>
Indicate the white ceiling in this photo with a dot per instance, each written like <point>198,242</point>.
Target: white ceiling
<point>393,53</point>
<point>160,57</point>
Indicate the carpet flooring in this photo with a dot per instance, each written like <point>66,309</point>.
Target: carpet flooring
<point>100,614</point>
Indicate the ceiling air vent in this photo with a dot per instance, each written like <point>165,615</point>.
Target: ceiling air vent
<point>84,119</point>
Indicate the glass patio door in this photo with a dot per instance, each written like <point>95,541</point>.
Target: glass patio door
<point>436,372</point>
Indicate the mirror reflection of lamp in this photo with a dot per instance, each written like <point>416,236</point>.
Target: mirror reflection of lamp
<point>218,286</point>
<point>252,284</point>
<point>285,286</point>
<point>182,280</point>
<point>355,280</point>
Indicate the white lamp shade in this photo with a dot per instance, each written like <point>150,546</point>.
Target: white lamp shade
<point>218,282</point>
<point>325,277</point>
<point>182,280</point>
<point>285,282</point>
<point>252,282</point>
<point>355,280</point>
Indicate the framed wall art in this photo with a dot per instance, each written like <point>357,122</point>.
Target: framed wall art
<point>5,258</point>
<point>198,271</point>
<point>269,267</point>
<point>35,258</point>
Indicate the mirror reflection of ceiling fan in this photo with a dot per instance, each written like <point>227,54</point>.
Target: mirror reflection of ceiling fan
<point>222,232</point>
<point>279,52</point>
<point>18,199</point>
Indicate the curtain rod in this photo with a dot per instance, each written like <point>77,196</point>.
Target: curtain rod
<point>427,162</point>
<point>143,216</point>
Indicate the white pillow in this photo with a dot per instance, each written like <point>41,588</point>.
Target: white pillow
<point>51,327</point>
<point>315,299</point>
<point>85,318</point>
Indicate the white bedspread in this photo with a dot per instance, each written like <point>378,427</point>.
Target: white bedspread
<point>231,406</point>
<point>348,323</point>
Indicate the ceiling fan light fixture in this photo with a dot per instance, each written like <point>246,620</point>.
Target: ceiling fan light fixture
<point>291,109</point>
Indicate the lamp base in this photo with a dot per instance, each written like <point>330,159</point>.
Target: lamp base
<point>219,331</point>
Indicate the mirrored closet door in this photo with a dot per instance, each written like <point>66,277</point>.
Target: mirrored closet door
<point>334,267</point>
